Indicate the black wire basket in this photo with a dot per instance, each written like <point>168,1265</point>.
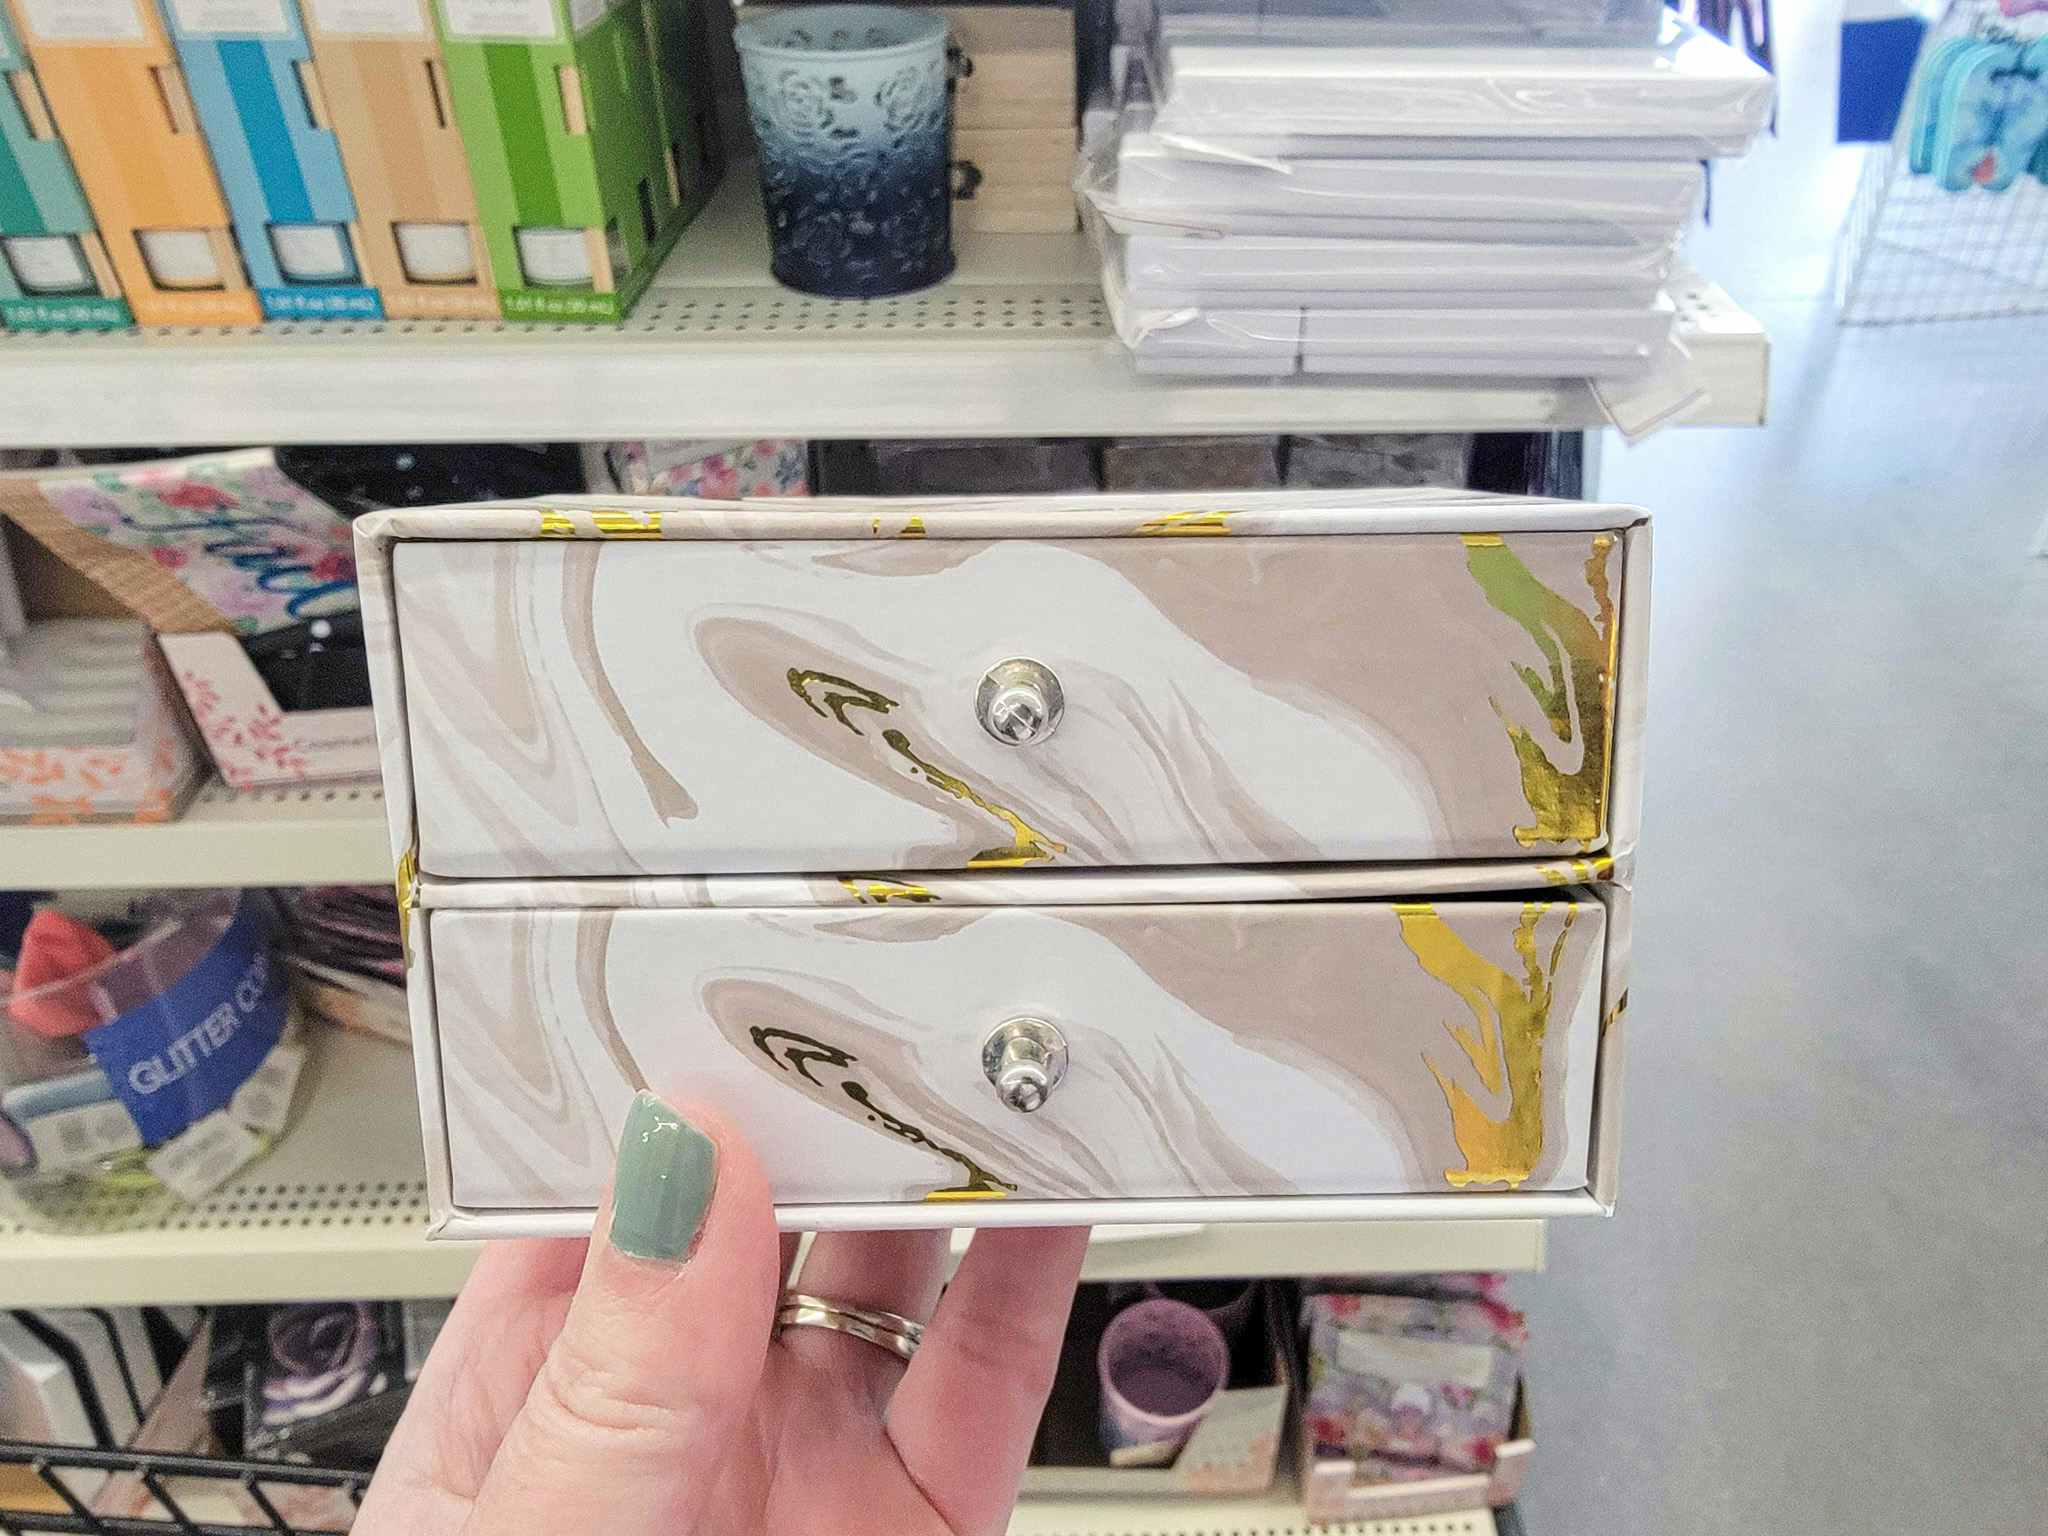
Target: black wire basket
<point>256,1482</point>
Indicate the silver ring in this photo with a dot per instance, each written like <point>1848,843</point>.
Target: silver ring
<point>898,1335</point>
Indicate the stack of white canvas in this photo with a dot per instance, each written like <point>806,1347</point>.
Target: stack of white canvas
<point>1408,186</point>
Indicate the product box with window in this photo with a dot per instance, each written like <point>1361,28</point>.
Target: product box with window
<point>54,273</point>
<point>249,68</point>
<point>558,108</point>
<point>248,581</point>
<point>118,98</point>
<point>384,85</point>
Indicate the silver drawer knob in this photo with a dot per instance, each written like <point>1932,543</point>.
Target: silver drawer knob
<point>1025,1059</point>
<point>1020,702</point>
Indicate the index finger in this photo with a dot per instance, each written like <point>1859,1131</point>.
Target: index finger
<point>963,1418</point>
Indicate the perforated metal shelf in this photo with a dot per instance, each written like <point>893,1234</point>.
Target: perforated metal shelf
<point>1278,1514</point>
<point>334,1210</point>
<point>339,1208</point>
<point>1016,343</point>
<point>316,834</point>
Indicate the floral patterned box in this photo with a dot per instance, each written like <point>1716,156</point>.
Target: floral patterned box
<point>1399,1380</point>
<point>718,470</point>
<point>1331,1491</point>
<point>253,742</point>
<point>90,727</point>
<point>211,551</point>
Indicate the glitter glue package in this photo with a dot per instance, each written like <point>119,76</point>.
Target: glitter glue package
<point>143,1060</point>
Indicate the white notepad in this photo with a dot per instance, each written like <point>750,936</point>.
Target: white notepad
<point>1165,269</point>
<point>1691,89</point>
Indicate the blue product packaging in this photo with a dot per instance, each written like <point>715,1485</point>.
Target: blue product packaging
<point>181,1055</point>
<point>249,68</point>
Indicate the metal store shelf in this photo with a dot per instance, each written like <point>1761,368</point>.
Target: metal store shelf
<point>1276,1514</point>
<point>1016,343</point>
<point>337,1210</point>
<point>321,834</point>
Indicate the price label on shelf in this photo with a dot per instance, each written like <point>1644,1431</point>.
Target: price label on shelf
<point>82,21</point>
<point>231,18</point>
<point>369,18</point>
<point>502,18</point>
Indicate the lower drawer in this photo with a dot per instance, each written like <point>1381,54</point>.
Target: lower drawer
<point>1207,1052</point>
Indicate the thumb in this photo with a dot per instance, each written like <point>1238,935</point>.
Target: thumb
<point>657,1364</point>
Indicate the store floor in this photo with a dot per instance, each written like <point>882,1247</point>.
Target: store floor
<point>1819,1309</point>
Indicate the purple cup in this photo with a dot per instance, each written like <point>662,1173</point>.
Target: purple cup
<point>1162,1366</point>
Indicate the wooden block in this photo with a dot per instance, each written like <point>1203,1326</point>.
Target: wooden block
<point>1021,210</point>
<point>1019,62</point>
<point>1008,157</point>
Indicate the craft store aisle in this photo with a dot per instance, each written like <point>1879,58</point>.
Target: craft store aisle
<point>1811,1312</point>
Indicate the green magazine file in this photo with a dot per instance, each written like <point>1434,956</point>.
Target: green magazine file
<point>559,115</point>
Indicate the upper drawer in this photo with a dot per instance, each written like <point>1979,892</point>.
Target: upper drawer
<point>696,706</point>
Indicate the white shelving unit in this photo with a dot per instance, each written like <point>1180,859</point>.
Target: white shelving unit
<point>339,1208</point>
<point>1016,343</point>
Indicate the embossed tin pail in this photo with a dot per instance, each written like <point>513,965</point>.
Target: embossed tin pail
<point>850,106</point>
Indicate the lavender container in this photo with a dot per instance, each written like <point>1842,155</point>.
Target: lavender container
<point>1162,1365</point>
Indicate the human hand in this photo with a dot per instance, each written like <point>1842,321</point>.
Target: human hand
<point>628,1385</point>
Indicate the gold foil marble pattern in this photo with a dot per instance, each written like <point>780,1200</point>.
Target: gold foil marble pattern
<point>1613,1015</point>
<point>1503,1044</point>
<point>874,891</point>
<point>828,695</point>
<point>838,695</point>
<point>408,894</point>
<point>792,1052</point>
<point>617,524</point>
<point>1187,523</point>
<point>1579,871</point>
<point>605,522</point>
<point>1027,846</point>
<point>1574,690</point>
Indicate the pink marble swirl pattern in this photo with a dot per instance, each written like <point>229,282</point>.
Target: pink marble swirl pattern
<point>672,707</point>
<point>1216,1050</point>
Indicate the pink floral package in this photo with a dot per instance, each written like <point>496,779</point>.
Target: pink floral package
<point>231,527</point>
<point>1411,1385</point>
<point>715,471</point>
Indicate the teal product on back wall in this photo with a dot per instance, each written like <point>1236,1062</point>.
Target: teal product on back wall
<point>54,273</point>
<point>249,69</point>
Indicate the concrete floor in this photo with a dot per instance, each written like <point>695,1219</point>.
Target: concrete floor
<point>1819,1308</point>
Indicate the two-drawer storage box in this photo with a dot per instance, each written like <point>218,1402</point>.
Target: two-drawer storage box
<point>1045,860</point>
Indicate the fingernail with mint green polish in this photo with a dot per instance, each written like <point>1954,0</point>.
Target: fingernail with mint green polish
<point>667,1168</point>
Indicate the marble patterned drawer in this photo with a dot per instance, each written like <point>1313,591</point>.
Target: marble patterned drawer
<point>1310,677</point>
<point>1321,880</point>
<point>1219,1051</point>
